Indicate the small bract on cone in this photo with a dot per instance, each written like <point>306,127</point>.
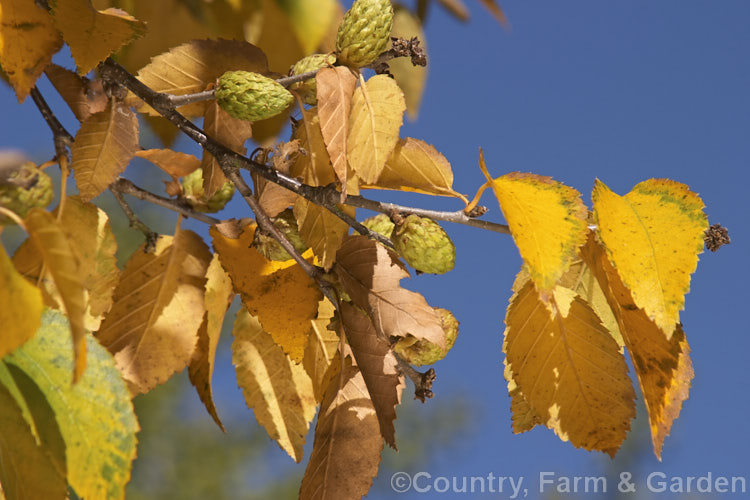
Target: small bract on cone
<point>381,224</point>
<point>192,191</point>
<point>308,89</point>
<point>26,188</point>
<point>424,245</point>
<point>272,249</point>
<point>423,352</point>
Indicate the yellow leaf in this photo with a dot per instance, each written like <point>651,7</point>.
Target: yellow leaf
<point>378,365</point>
<point>103,147</point>
<point>152,328</point>
<point>21,309</point>
<point>569,369</point>
<point>218,297</point>
<point>335,87</point>
<point>93,243</point>
<point>523,416</point>
<point>653,236</point>
<point>371,273</point>
<point>271,32</point>
<point>410,78</point>
<point>28,471</point>
<point>192,66</point>
<point>28,40</point>
<point>95,416</point>
<point>83,96</point>
<point>314,167</point>
<point>662,365</point>
<point>278,390</point>
<point>547,220</point>
<point>310,20</point>
<point>229,131</point>
<point>174,163</point>
<point>321,230</point>
<point>376,117</point>
<point>417,167</point>
<point>59,258</point>
<point>321,349</point>
<point>347,448</point>
<point>280,294</point>
<point>93,35</point>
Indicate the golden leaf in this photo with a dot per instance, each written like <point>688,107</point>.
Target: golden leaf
<point>371,273</point>
<point>95,416</point>
<point>653,236</point>
<point>547,220</point>
<point>335,87</point>
<point>28,471</point>
<point>278,390</point>
<point>662,365</point>
<point>310,21</point>
<point>280,294</point>
<point>417,167</point>
<point>376,116</point>
<point>378,365</point>
<point>569,369</point>
<point>103,147</point>
<point>411,79</point>
<point>347,448</point>
<point>218,297</point>
<point>229,131</point>
<point>84,97</point>
<point>22,307</point>
<point>192,66</point>
<point>28,40</point>
<point>152,329</point>
<point>59,258</point>
<point>174,163</point>
<point>321,349</point>
<point>314,167</point>
<point>271,32</point>
<point>93,35</point>
<point>321,230</point>
<point>524,418</point>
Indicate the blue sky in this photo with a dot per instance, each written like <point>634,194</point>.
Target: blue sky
<point>620,91</point>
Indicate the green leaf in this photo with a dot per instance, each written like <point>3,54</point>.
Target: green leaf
<point>95,415</point>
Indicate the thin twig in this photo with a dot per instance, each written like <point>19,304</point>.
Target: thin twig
<point>135,222</point>
<point>289,80</point>
<point>125,186</point>
<point>176,101</point>
<point>422,381</point>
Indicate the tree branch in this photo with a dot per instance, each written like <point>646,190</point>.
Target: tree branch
<point>135,222</point>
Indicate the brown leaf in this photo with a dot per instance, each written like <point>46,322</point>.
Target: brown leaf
<point>152,328</point>
<point>33,41</point>
<point>321,349</point>
<point>59,258</point>
<point>218,297</point>
<point>103,147</point>
<point>347,448</point>
<point>93,35</point>
<point>335,87</point>
<point>192,66</point>
<point>663,366</point>
<point>371,273</point>
<point>524,417</point>
<point>277,389</point>
<point>232,133</point>
<point>569,369</point>
<point>83,96</point>
<point>273,198</point>
<point>314,167</point>
<point>174,163</point>
<point>378,366</point>
<point>321,230</point>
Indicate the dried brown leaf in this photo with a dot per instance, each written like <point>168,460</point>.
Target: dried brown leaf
<point>174,163</point>
<point>314,167</point>
<point>371,273</point>
<point>273,198</point>
<point>378,365</point>
<point>347,448</point>
<point>152,328</point>
<point>103,147</point>
<point>83,96</point>
<point>335,87</point>
<point>229,131</point>
<point>321,230</point>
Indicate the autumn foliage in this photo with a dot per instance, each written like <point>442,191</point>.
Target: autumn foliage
<point>315,335</point>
